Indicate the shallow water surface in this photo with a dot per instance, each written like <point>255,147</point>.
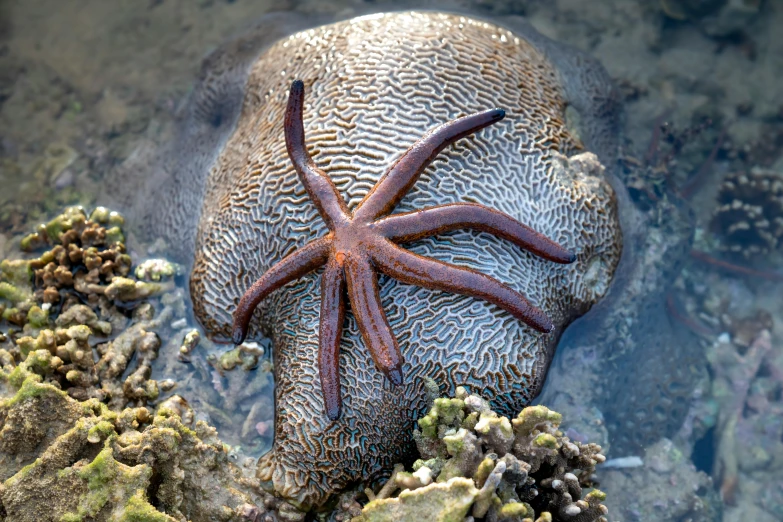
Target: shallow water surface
<point>88,86</point>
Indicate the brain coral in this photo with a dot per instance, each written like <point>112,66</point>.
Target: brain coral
<point>375,84</point>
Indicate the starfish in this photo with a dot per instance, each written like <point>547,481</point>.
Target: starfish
<point>361,242</point>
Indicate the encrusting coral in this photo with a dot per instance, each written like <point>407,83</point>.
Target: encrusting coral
<point>477,465</point>
<point>83,461</point>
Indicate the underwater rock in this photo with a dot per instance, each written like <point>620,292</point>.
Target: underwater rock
<point>690,9</point>
<point>484,465</point>
<point>597,363</point>
<point>734,17</point>
<point>717,18</point>
<point>667,487</point>
<point>80,460</point>
<point>638,406</point>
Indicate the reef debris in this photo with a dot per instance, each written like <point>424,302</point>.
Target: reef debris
<point>747,384</point>
<point>477,465</point>
<point>666,487</point>
<point>83,461</point>
<point>749,216</point>
<point>87,432</point>
<point>736,423</point>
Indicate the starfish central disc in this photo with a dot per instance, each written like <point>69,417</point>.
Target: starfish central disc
<point>354,237</point>
<point>364,242</point>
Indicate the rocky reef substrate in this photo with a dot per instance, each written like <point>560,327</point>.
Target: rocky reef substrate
<point>87,432</point>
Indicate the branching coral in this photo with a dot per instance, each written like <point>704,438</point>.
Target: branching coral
<point>68,297</point>
<point>479,463</point>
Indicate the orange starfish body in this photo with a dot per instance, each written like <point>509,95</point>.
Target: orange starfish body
<point>361,242</point>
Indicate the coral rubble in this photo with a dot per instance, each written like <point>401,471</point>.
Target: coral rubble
<point>747,385</point>
<point>87,433</point>
<point>667,486</point>
<point>83,461</point>
<point>749,216</point>
<point>477,465</point>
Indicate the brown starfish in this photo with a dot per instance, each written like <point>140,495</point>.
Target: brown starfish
<point>363,241</point>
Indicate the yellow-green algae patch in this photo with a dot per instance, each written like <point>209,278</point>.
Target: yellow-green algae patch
<point>113,483</point>
<point>439,502</point>
<point>75,461</point>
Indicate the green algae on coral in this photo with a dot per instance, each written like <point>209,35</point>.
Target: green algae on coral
<point>121,486</point>
<point>30,387</point>
<point>523,470</point>
<point>545,440</point>
<point>445,411</point>
<point>64,222</point>
<point>238,357</point>
<point>38,317</point>
<point>157,270</point>
<point>65,479</point>
<point>104,216</point>
<point>439,502</point>
<point>532,416</point>
<point>12,293</point>
<point>123,289</point>
<point>16,272</point>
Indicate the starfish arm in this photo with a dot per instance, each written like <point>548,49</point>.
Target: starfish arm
<point>319,187</point>
<point>396,182</point>
<point>331,331</point>
<point>366,306</point>
<point>410,268</point>
<point>445,218</point>
<point>293,266</point>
